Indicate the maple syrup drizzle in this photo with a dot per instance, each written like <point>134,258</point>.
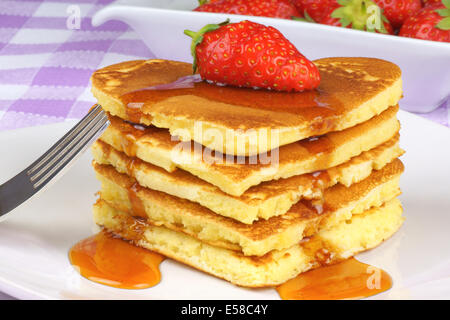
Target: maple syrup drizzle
<point>320,179</point>
<point>317,145</point>
<point>128,144</point>
<point>137,206</point>
<point>130,133</point>
<point>318,107</point>
<point>318,182</point>
<point>111,261</point>
<point>133,111</point>
<point>349,279</point>
<point>311,104</point>
<point>131,163</point>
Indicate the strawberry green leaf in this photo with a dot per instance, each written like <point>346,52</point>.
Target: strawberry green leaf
<point>357,13</point>
<point>307,18</point>
<point>444,24</point>
<point>446,3</point>
<point>197,38</point>
<point>443,12</point>
<point>345,22</point>
<point>343,2</point>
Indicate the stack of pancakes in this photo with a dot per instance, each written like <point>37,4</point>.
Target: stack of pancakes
<point>251,186</point>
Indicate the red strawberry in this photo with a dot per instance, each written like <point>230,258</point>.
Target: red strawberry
<point>431,2</point>
<point>298,4</point>
<point>248,54</point>
<point>316,9</point>
<point>397,11</point>
<point>265,8</point>
<point>430,23</point>
<point>356,14</point>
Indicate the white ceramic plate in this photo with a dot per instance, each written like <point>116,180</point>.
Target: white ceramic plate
<point>35,239</point>
<point>425,64</point>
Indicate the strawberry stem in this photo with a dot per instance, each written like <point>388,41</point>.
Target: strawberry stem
<point>361,14</point>
<point>197,38</point>
<point>307,18</point>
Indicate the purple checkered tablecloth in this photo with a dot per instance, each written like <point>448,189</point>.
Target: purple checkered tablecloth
<point>46,59</point>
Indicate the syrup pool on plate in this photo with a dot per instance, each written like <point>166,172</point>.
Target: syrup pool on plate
<point>112,261</point>
<point>349,279</point>
<point>108,260</point>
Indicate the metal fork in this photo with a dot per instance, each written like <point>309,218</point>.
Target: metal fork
<point>51,164</point>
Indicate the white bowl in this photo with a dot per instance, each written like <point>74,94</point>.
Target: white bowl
<point>425,64</point>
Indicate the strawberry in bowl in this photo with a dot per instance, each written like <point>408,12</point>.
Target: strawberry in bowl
<point>249,54</point>
<point>283,9</point>
<point>356,14</point>
<point>430,23</point>
<point>430,2</point>
<point>397,11</point>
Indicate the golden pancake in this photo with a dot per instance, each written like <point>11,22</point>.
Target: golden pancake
<point>361,232</point>
<point>265,200</point>
<point>302,220</point>
<point>234,176</point>
<point>164,94</point>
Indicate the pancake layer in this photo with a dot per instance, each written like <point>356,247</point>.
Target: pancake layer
<point>165,94</point>
<point>234,176</point>
<point>271,198</point>
<point>361,232</point>
<point>280,232</point>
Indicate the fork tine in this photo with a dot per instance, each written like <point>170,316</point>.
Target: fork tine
<point>56,164</point>
<point>65,139</point>
<point>51,164</point>
<point>61,149</point>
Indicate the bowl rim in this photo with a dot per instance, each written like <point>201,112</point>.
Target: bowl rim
<point>283,22</point>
